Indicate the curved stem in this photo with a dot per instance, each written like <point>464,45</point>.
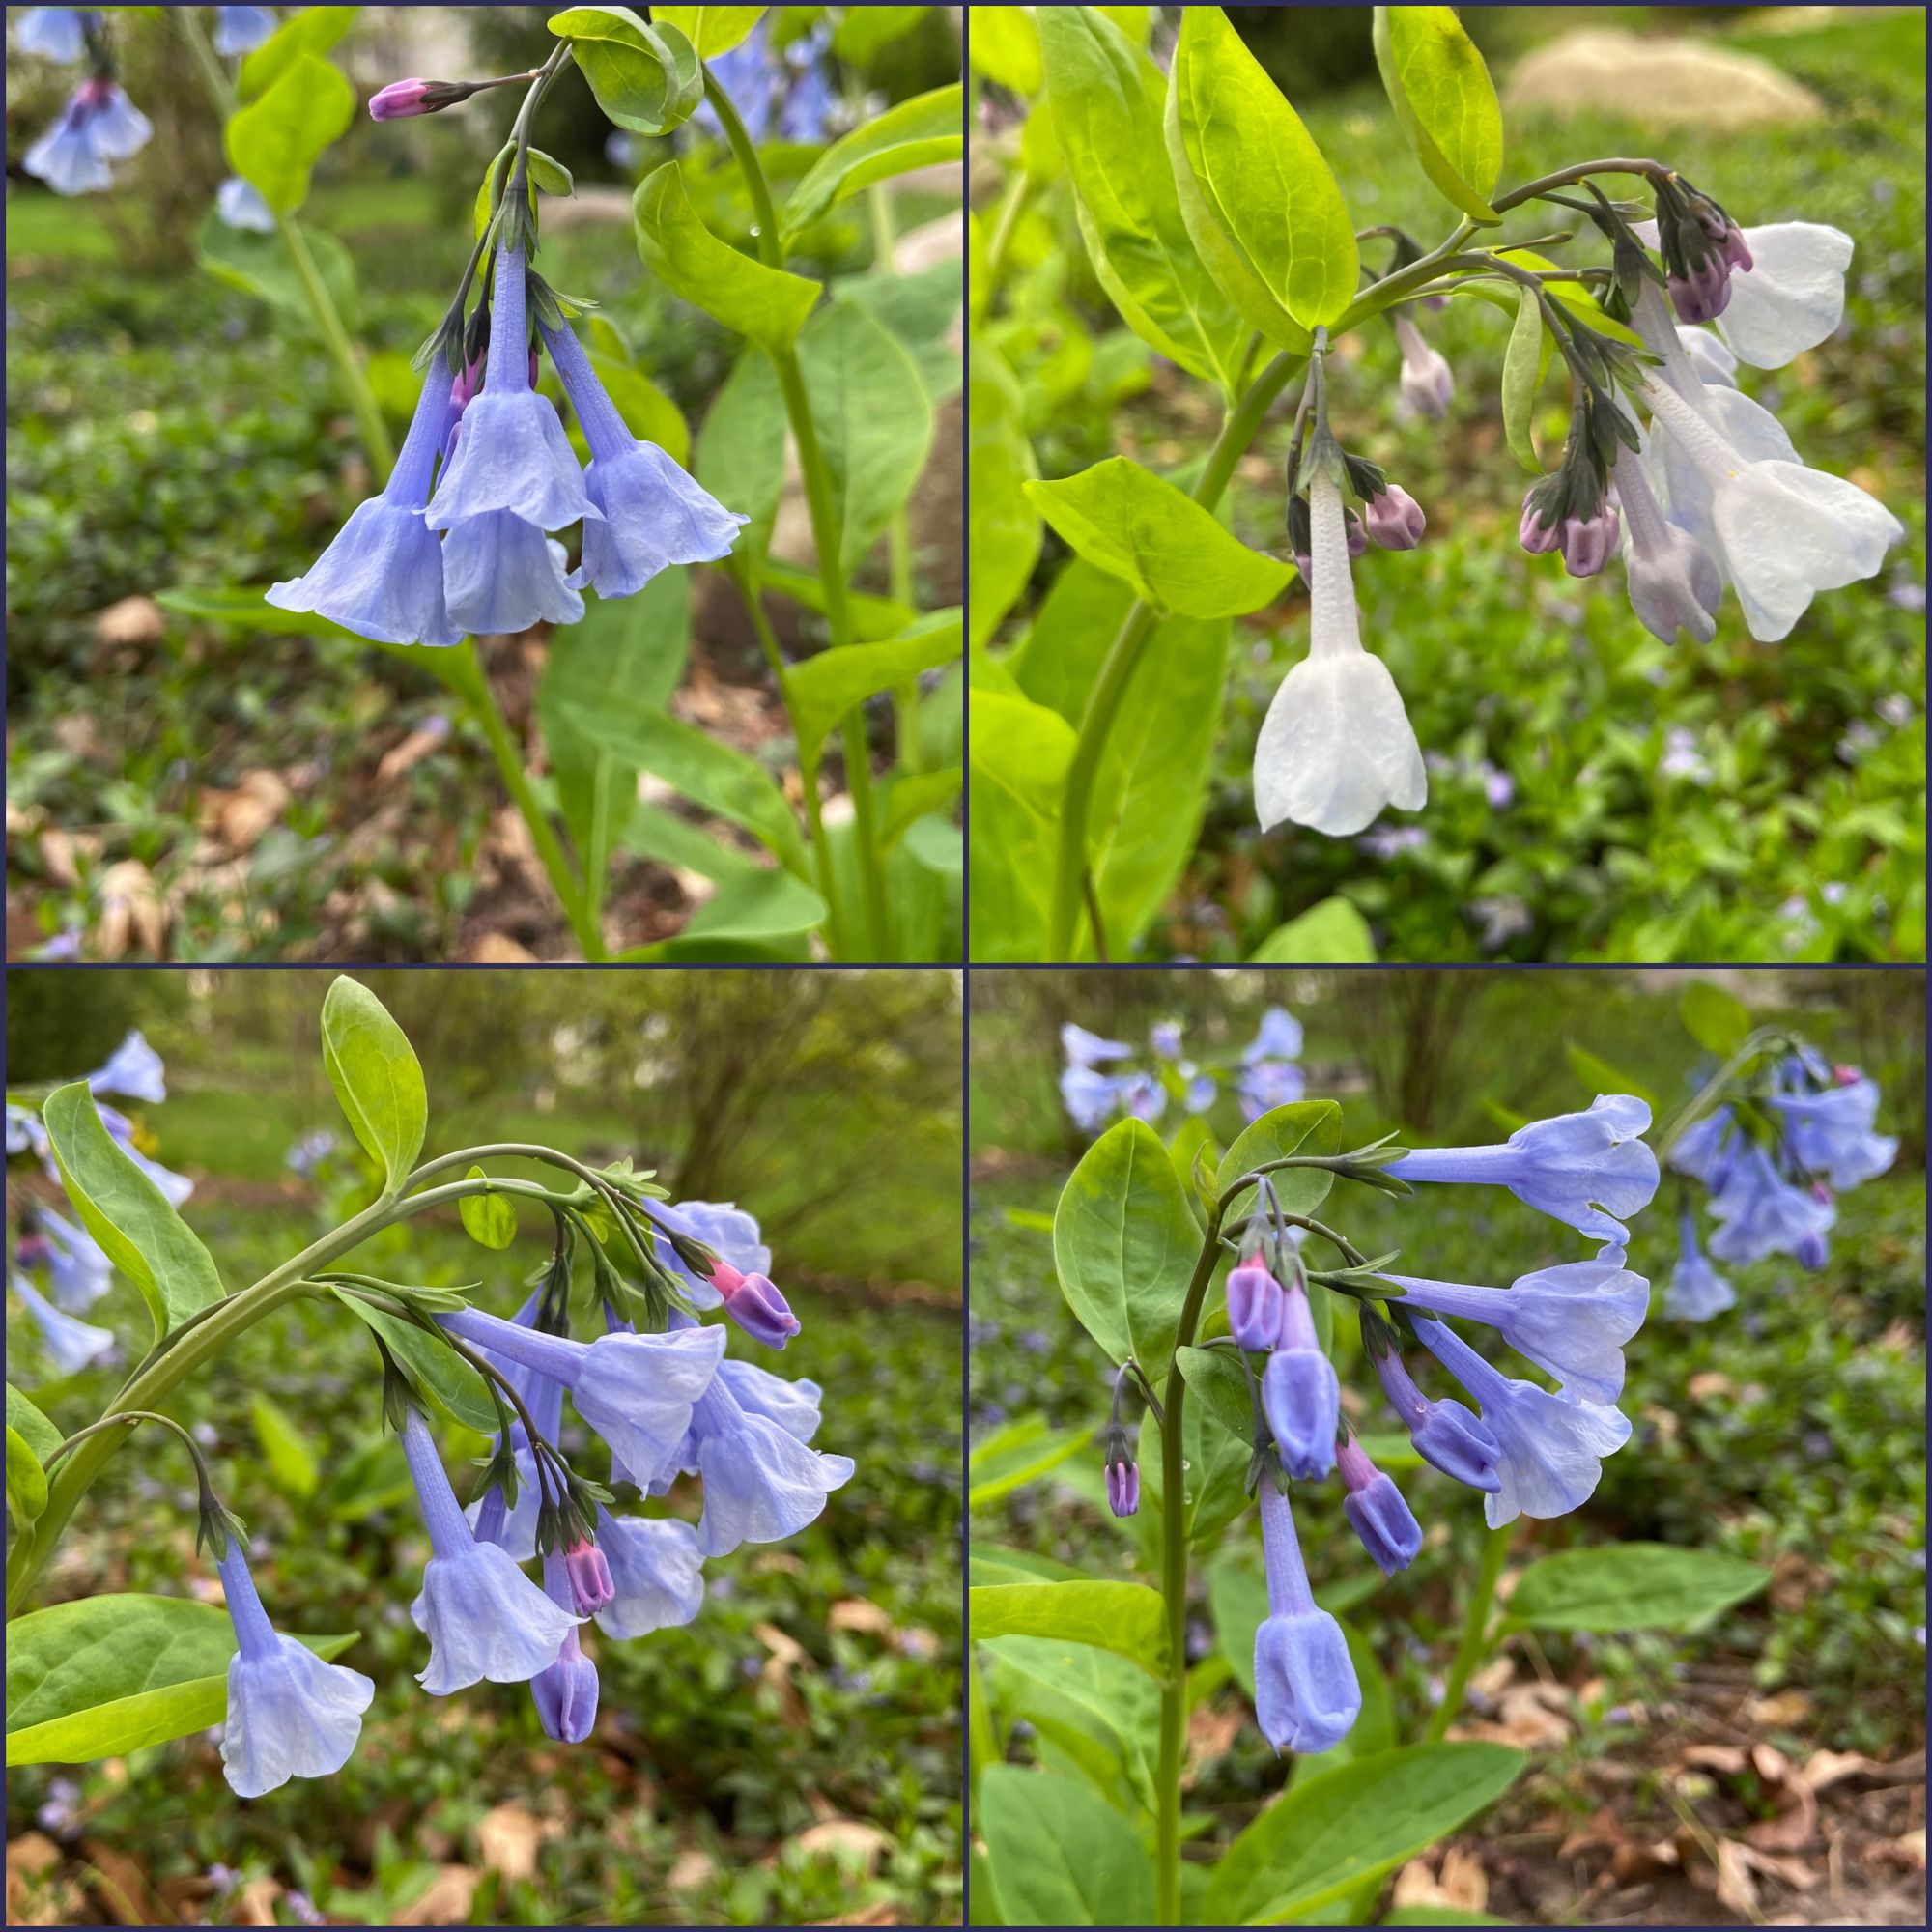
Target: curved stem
<point>1582,171</point>
<point>1712,1092</point>
<point>1474,1646</point>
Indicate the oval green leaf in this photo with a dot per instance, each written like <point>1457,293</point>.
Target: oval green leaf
<point>488,1220</point>
<point>916,133</point>
<point>30,1425</point>
<point>277,141</point>
<point>1443,98</point>
<point>825,687</point>
<point>1061,1855</point>
<point>1129,1619</point>
<point>26,1480</point>
<point>377,1078</point>
<point>1523,362</point>
<point>711,30</point>
<point>314,30</point>
<point>1332,934</point>
<point>1632,1586</point>
<point>284,1448</point>
<point>1302,1126</point>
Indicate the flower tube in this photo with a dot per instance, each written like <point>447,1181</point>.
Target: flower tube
<point>1306,1697</point>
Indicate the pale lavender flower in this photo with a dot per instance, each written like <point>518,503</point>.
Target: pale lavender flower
<point>1306,1697</point>
<point>656,1570</point>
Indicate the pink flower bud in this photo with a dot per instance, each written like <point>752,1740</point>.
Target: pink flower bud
<point>1358,537</point>
<point>589,1577</point>
<point>400,99</point>
<point>1123,1487</point>
<point>1395,519</point>
<point>754,1302</point>
<point>1539,539</point>
<point>1705,293</point>
<point>1589,541</point>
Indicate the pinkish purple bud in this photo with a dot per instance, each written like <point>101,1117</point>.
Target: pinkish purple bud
<point>1358,537</point>
<point>1846,1076</point>
<point>1123,1487</point>
<point>589,1577</point>
<point>1395,519</point>
<point>1588,542</point>
<point>1705,293</point>
<point>400,99</point>
<point>1538,538</point>
<point>1253,1306</point>
<point>1737,250</point>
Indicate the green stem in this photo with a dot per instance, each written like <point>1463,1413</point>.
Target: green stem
<point>1243,420</point>
<point>1474,1646</point>
<point>899,525</point>
<point>1712,1092</point>
<point>825,530</point>
<point>1003,224</point>
<point>1174,1591</point>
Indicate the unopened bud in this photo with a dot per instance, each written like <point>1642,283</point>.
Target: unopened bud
<point>1395,519</point>
<point>1588,542</point>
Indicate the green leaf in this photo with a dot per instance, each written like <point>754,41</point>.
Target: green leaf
<point>1302,1126</point>
<point>276,142</point>
<point>1003,527</point>
<point>1717,1020</point>
<point>1573,295</point>
<point>1332,934</point>
<point>1523,362</point>
<point>545,173</point>
<point>26,1480</point>
<point>752,915</point>
<point>873,618</point>
<point>1020,1452</point>
<point>825,687</point>
<point>1003,45</point>
<point>377,1078</point>
<point>741,449</point>
<point>995,1563</point>
<point>1624,1586</point>
<point>711,30</point>
<point>1018,753</point>
<point>1261,203</point>
<point>284,1449</point>
<point>1442,97</point>
<point>1216,1381</point>
<point>243,608</point>
<point>1107,100</point>
<point>1335,1833</point>
<point>1061,1856</point>
<point>1601,1077</point>
<point>862,31</point>
<point>259,264</point>
<point>873,421</point>
<point>30,1425</point>
<point>103,1676</point>
<point>1173,553</point>
<point>1238,1596</point>
<point>488,1220</point>
<point>1214,1489</point>
<point>127,1213</point>
<point>439,1369</point>
<point>1129,1619</point>
<point>659,834</point>
<point>766,305</point>
<point>645,78</point>
<point>1125,1243</point>
<point>312,31</point>
<point>915,134</point>
<point>1100,1709</point>
<point>919,310</point>
<point>910,796</point>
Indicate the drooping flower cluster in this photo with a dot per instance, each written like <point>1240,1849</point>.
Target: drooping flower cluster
<point>98,125</point>
<point>64,1255</point>
<point>666,1404</point>
<point>1095,1087</point>
<point>1787,1136</point>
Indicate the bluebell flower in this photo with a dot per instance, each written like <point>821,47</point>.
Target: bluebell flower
<point>794,1405</point>
<point>565,1693</point>
<point>309,1153</point>
<point>1696,1291</point>
<point>1306,1697</point>
<point>1571,1167</point>
<point>1551,1446</point>
<point>761,1484</point>
<point>1445,1434</point>
<point>1165,1039</point>
<point>1759,1212</point>
<point>502,575</point>
<point>1277,1037</point>
<point>1089,1096</point>
<point>72,1344</point>
<point>1140,1098</point>
<point>77,1266</point>
<point>1269,1078</point>
<point>383,576</point>
<point>1088,1049</point>
<point>1300,1395</point>
<point>241,30</point>
<point>1374,1507</point>
<point>484,1618</point>
<point>656,1570</point>
<point>54,32</point>
<point>240,204</point>
<point>24,1131</point>
<point>1705,1148</point>
<point>1810,1251</point>
<point>175,1187</point>
<point>98,125</point>
<point>133,1070</point>
<point>513,1527</point>
<point>788,98</point>
<point>1253,1306</point>
<point>512,453</point>
<point>1572,1321</point>
<point>722,1227</point>
<point>636,1391</point>
<point>805,114</point>
<point>290,1715</point>
<point>1200,1089</point>
<point>1123,1486</point>
<point>654,514</point>
<point>1829,1133</point>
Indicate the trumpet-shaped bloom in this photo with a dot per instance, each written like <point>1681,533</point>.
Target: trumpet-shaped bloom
<point>77,1266</point>
<point>792,1405</point>
<point>484,1618</point>
<point>1705,1148</point>
<point>1165,1039</point>
<point>1572,1167</point>
<point>1253,1306</point>
<point>98,125</point>
<point>1374,1507</point>
<point>722,1226</point>
<point>1674,582</point>
<point>513,454</point>
<point>1300,1395</point>
<point>761,1484</point>
<point>383,577</point>
<point>290,1715</point>
<point>1394,518</point>
<point>1551,1446</point>
<point>72,1344</point>
<point>1759,1212</point>
<point>1696,1291</point>
<point>565,1693</point>
<point>1428,384</point>
<point>656,1573</point>
<point>1715,364</point>
<point>654,514</point>
<point>1445,1434</point>
<point>241,30</point>
<point>1336,746</point>
<point>1306,1697</point>
<point>1790,298</point>
<point>502,575</point>
<point>1572,1321</point>
<point>240,205</point>
<point>54,32</point>
<point>636,1391</point>
<point>1088,1049</point>
<point>133,1070</point>
<point>1829,1133</point>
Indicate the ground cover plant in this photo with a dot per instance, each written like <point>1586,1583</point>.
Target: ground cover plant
<point>792,1746</point>
<point>624,774</point>
<point>1584,786</point>
<point>1648,1751</point>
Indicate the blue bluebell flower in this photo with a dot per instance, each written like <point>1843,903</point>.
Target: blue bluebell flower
<point>290,1715</point>
<point>72,1344</point>
<point>1300,1395</point>
<point>1088,1049</point>
<point>1165,1039</point>
<point>1572,1321</point>
<point>309,1153</point>
<point>1759,1212</point>
<point>565,1693</point>
<point>484,1618</point>
<point>761,1484</point>
<point>1551,1446</point>
<point>1574,1167</point>
<point>1140,1098</point>
<point>787,98</point>
<point>54,32</point>
<point>133,1070</point>
<point>24,1131</point>
<point>513,1527</point>
<point>1374,1507</point>
<point>512,453</point>
<point>98,125</point>
<point>1445,1434</point>
<point>383,576</point>
<point>1269,1078</point>
<point>1704,1149</point>
<point>77,1266</point>
<point>1829,1133</point>
<point>1696,1291</point>
<point>241,30</point>
<point>654,514</point>
<point>1200,1089</point>
<point>1089,1096</point>
<point>240,204</point>
<point>502,575</point>
<point>722,1227</point>
<point>1306,1697</point>
<point>656,1570</point>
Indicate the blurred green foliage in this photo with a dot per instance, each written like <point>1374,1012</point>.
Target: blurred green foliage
<point>828,1105</point>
